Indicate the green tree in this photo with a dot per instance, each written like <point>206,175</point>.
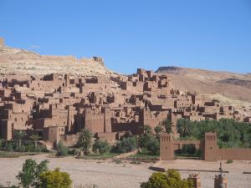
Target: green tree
<point>157,180</point>
<point>30,172</point>
<point>183,128</point>
<point>61,149</point>
<point>125,145</point>
<point>230,133</point>
<point>19,136</point>
<point>168,125</point>
<point>55,179</point>
<point>101,147</point>
<point>158,130</point>
<point>147,130</point>
<point>85,140</point>
<point>149,141</point>
<point>153,146</point>
<point>171,179</point>
<point>35,138</point>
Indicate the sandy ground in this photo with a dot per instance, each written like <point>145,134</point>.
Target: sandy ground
<point>108,174</point>
<point>236,178</point>
<point>86,172</point>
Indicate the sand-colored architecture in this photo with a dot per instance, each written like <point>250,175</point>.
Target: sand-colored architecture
<point>58,106</point>
<point>208,146</point>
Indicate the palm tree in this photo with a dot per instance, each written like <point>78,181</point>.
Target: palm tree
<point>35,138</point>
<point>19,135</point>
<point>85,140</point>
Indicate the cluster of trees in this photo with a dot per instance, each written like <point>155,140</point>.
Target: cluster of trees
<point>171,179</point>
<point>148,143</point>
<point>37,175</point>
<point>22,143</point>
<point>84,145</point>
<point>230,133</point>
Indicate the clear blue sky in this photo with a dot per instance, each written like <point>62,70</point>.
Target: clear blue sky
<point>210,34</point>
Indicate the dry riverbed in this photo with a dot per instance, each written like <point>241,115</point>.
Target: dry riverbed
<point>109,174</point>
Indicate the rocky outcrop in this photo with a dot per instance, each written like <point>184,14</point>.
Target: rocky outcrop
<point>14,60</point>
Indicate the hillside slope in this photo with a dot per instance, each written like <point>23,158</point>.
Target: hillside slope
<point>13,60</point>
<point>225,86</point>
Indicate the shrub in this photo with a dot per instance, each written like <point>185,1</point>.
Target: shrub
<point>158,130</point>
<point>61,149</point>
<point>85,140</point>
<point>55,179</point>
<point>171,179</point>
<point>101,147</point>
<point>230,133</point>
<point>153,146</point>
<point>229,161</point>
<point>9,146</point>
<point>117,161</point>
<point>150,143</point>
<point>125,145</point>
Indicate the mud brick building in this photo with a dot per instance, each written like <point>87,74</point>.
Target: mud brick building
<point>58,106</point>
<point>208,146</point>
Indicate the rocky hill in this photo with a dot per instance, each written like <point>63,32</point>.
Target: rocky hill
<point>14,60</point>
<point>227,87</point>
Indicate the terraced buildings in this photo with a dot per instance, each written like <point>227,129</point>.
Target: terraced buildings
<point>58,106</point>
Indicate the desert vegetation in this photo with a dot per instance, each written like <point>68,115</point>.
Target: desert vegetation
<point>230,133</point>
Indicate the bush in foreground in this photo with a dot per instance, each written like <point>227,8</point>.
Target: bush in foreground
<point>55,179</point>
<point>171,179</point>
<point>29,176</point>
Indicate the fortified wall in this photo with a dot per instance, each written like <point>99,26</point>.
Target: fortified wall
<point>208,146</point>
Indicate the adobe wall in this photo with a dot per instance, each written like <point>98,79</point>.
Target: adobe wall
<point>6,129</point>
<point>235,154</point>
<point>153,118</point>
<point>109,137</point>
<point>211,149</point>
<point>69,140</point>
<point>166,147</point>
<point>179,144</point>
<point>208,146</point>
<point>94,121</point>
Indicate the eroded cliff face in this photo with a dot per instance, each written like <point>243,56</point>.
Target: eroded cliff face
<point>14,60</point>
